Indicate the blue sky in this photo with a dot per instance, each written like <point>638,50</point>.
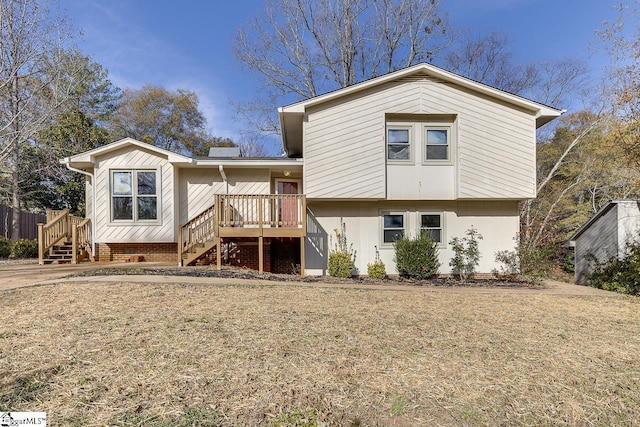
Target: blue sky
<point>188,44</point>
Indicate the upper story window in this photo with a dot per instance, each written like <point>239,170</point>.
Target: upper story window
<point>436,143</point>
<point>134,195</point>
<point>399,143</point>
<point>431,138</point>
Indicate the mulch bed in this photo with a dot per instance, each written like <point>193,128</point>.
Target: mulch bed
<point>244,273</point>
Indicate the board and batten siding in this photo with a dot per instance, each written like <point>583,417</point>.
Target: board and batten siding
<point>134,158</point>
<point>198,186</point>
<point>345,152</point>
<point>599,239</point>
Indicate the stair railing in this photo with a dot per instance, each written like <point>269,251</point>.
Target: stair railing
<point>61,225</point>
<point>81,238</point>
<point>197,231</point>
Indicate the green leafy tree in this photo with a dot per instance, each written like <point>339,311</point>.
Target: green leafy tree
<point>168,119</point>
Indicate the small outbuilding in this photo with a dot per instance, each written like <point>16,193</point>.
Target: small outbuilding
<point>605,235</point>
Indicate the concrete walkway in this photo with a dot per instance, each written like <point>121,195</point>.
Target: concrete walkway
<point>16,276</point>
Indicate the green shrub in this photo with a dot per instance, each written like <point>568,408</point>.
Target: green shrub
<point>417,257</point>
<point>509,263</point>
<point>24,248</point>
<point>342,257</point>
<point>618,275</point>
<point>376,269</point>
<point>340,264</point>
<point>5,247</point>
<point>466,254</point>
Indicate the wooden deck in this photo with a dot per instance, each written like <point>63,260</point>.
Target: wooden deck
<point>240,215</point>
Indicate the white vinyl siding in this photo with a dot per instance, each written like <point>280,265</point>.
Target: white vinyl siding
<point>134,158</point>
<point>363,218</point>
<point>345,147</point>
<point>199,185</point>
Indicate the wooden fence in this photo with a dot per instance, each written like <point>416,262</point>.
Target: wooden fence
<point>28,223</point>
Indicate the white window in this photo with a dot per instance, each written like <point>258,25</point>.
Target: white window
<point>436,143</point>
<point>134,195</point>
<point>396,225</point>
<point>399,143</point>
<point>392,227</point>
<point>432,141</point>
<point>431,225</point>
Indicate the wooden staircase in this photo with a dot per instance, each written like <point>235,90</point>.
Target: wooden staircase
<point>64,239</point>
<point>60,254</point>
<point>197,238</point>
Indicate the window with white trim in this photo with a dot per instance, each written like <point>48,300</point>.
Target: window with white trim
<point>436,143</point>
<point>430,141</point>
<point>399,143</point>
<point>134,195</point>
<point>398,224</point>
<point>393,226</point>
<point>431,225</point>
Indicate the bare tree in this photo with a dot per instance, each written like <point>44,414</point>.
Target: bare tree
<point>488,59</point>
<point>30,90</point>
<point>300,49</point>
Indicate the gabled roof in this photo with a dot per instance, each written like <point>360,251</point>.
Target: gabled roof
<point>88,158</point>
<point>291,115</point>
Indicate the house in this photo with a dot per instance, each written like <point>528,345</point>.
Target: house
<point>605,235</point>
<point>416,150</point>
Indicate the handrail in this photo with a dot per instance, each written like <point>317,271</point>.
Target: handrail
<point>62,225</point>
<point>198,230</point>
<point>262,210</point>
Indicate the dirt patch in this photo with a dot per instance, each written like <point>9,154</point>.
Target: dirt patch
<point>242,273</point>
<point>155,354</point>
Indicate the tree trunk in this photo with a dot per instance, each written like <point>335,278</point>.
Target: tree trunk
<point>15,159</point>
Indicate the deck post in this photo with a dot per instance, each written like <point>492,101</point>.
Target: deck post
<point>74,244</point>
<point>216,232</point>
<point>261,254</point>
<point>180,246</point>
<point>302,242</point>
<point>41,243</point>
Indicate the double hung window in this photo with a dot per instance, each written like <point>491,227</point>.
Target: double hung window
<point>430,141</point>
<point>134,195</point>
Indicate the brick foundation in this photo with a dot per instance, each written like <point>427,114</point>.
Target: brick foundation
<point>281,255</point>
<point>152,252</point>
<point>285,255</point>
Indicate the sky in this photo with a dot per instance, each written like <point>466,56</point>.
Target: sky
<point>188,44</point>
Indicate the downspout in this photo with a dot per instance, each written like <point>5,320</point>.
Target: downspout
<point>93,203</point>
<point>224,178</point>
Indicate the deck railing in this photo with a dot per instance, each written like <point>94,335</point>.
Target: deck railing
<point>242,215</point>
<point>262,210</point>
<point>60,227</point>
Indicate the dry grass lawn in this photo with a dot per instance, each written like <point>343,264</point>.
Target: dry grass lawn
<point>178,355</point>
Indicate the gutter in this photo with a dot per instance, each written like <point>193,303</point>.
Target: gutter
<point>93,202</point>
<point>224,177</point>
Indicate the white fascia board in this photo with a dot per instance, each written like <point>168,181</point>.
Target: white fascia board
<point>89,156</point>
<point>253,163</point>
<point>540,109</point>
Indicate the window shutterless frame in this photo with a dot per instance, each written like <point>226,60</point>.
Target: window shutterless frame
<point>134,196</point>
<point>432,224</point>
<point>436,144</point>
<point>393,227</point>
<point>399,143</point>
